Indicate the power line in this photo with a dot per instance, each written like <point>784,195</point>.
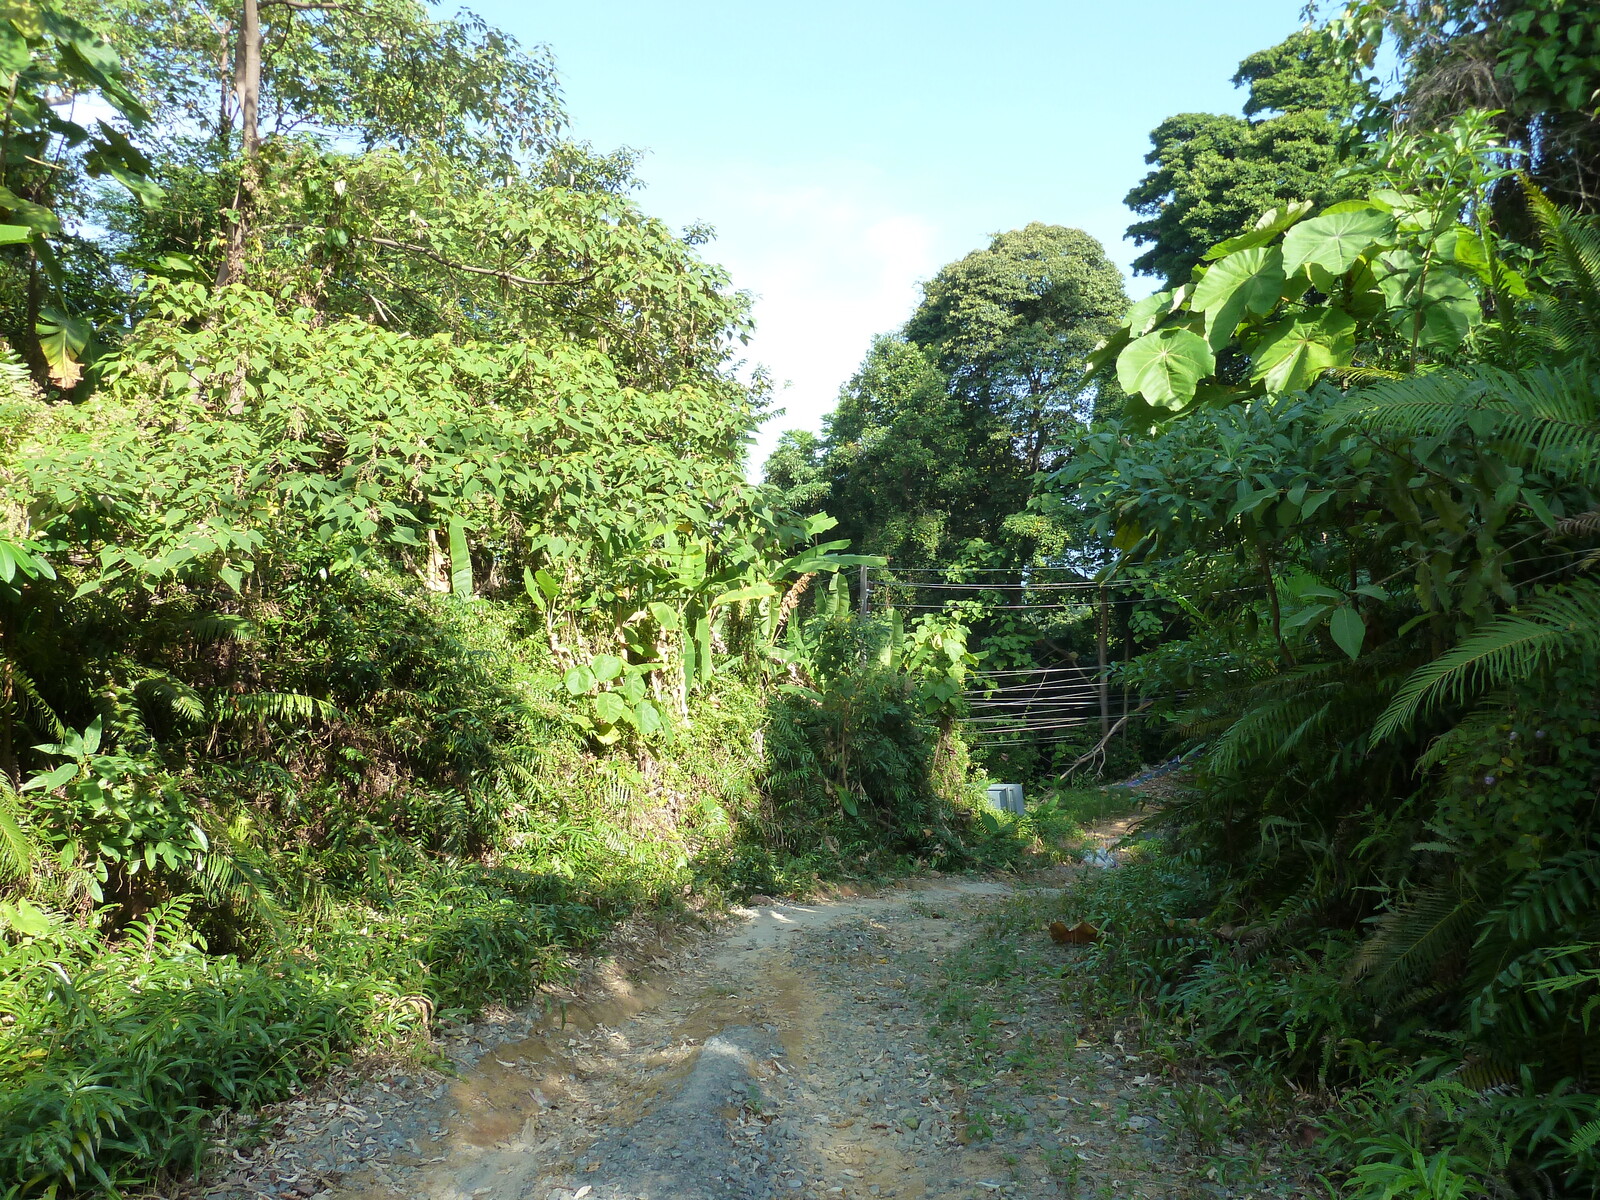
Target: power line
<point>1021,671</point>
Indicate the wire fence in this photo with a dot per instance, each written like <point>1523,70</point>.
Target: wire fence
<point>1049,704</point>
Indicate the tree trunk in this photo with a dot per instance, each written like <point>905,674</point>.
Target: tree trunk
<point>247,88</point>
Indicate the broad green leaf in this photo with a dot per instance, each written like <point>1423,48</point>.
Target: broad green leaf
<point>49,780</point>
<point>460,561</point>
<point>579,680</point>
<point>1348,629</point>
<point>647,718</point>
<point>1107,349</point>
<point>705,664</point>
<point>665,615</point>
<point>91,735</point>
<point>1249,281</point>
<point>1146,314</point>
<point>531,586</point>
<point>611,708</point>
<point>1164,367</point>
<point>606,667</point>
<point>1539,508</point>
<point>24,919</point>
<point>754,592</point>
<point>14,52</point>
<point>547,583</point>
<point>689,663</point>
<point>1304,616</point>
<point>12,234</point>
<point>63,340</point>
<point>1268,226</point>
<point>1334,241</point>
<point>1446,303</point>
<point>33,216</point>
<point>1294,351</point>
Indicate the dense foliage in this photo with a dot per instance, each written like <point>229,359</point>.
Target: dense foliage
<point>1350,511</point>
<point>1387,654</point>
<point>1214,173</point>
<point>383,609</point>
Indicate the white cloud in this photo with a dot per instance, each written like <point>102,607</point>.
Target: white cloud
<point>832,258</point>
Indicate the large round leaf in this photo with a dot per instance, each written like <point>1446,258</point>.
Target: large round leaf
<point>1144,314</point>
<point>1294,351</point>
<point>1437,305</point>
<point>1247,281</point>
<point>1335,240</point>
<point>1268,226</point>
<point>1165,366</point>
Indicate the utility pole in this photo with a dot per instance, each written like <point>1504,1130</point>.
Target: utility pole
<point>1105,686</point>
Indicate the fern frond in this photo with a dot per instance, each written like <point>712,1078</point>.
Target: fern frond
<point>181,699</point>
<point>1572,262</point>
<point>231,874</point>
<point>23,686</point>
<point>1549,899</point>
<point>16,847</point>
<point>274,706</point>
<point>1545,418</point>
<point>1585,1139</point>
<point>1413,939</point>
<point>1362,376</point>
<point>217,627</point>
<point>1508,647</point>
<point>1585,524</point>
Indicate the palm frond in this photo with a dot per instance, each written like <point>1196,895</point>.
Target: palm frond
<point>1507,647</point>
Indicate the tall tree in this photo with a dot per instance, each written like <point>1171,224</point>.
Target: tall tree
<point>1534,64</point>
<point>911,470</point>
<point>256,74</point>
<point>1215,173</point>
<point>1012,325</point>
<point>51,67</point>
<point>935,442</point>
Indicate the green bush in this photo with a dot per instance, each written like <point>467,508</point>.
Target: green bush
<point>1410,1113</point>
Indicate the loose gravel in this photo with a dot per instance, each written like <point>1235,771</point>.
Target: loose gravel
<point>866,1048</point>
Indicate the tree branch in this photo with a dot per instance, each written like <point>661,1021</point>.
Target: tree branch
<point>1100,746</point>
<point>504,276</point>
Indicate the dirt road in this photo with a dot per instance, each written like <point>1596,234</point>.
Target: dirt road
<point>889,1046</point>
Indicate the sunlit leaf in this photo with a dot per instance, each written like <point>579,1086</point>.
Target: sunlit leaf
<point>1164,367</point>
<point>1335,240</point>
<point>1294,351</point>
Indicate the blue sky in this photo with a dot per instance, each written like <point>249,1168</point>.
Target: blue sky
<point>844,152</point>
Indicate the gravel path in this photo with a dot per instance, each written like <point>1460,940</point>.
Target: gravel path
<point>814,1051</point>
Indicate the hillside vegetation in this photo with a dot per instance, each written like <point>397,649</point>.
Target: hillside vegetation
<point>1329,505</point>
<point>385,612</point>
<point>383,608</point>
